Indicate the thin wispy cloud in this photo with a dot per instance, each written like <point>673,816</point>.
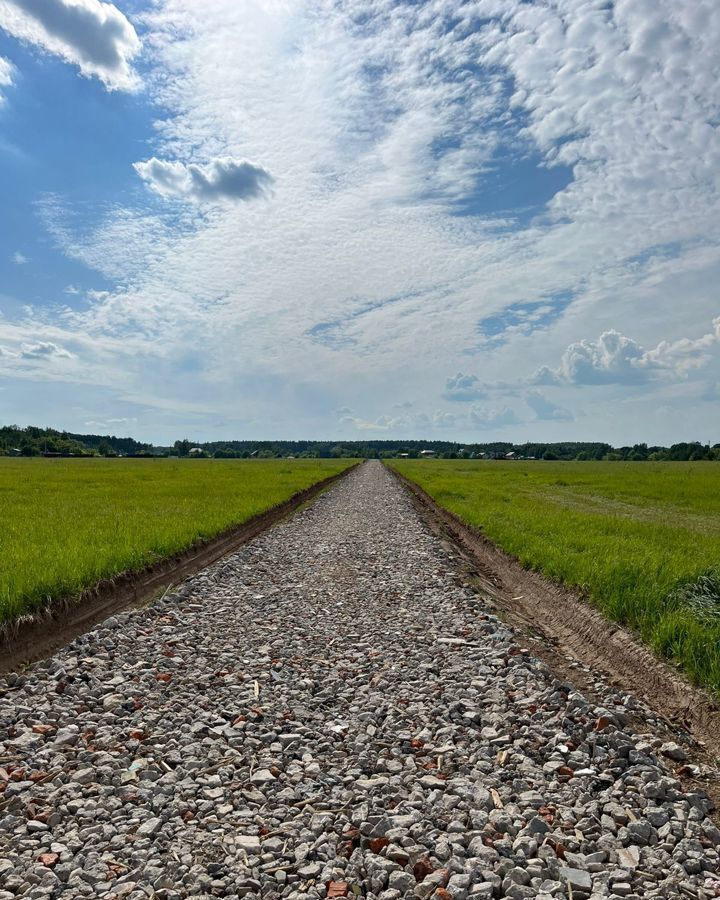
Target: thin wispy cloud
<point>459,223</point>
<point>6,77</point>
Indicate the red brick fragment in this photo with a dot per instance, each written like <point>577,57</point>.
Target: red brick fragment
<point>422,868</point>
<point>42,729</point>
<point>337,889</point>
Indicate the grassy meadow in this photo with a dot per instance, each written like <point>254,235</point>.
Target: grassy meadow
<point>641,539</point>
<point>66,523</point>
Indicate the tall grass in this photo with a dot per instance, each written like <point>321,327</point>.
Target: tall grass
<point>65,524</point>
<point>641,539</point>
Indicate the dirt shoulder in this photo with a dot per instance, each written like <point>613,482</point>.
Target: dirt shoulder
<point>38,636</point>
<point>577,641</point>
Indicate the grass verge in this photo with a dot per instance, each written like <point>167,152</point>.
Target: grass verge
<point>67,524</point>
<point>642,540</point>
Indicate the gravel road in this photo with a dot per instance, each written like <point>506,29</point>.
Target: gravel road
<point>332,711</point>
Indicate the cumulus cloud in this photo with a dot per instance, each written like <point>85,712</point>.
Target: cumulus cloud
<point>615,358</point>
<point>91,34</point>
<point>480,417</point>
<point>463,387</point>
<point>545,410</point>
<point>19,258</point>
<point>222,179</point>
<point>612,359</point>
<point>43,350</point>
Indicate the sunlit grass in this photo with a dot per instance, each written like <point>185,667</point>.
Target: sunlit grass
<point>65,524</point>
<point>633,536</point>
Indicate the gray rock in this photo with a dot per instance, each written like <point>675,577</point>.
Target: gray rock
<point>576,878</point>
<point>149,827</point>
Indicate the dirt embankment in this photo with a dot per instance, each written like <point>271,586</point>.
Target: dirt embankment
<point>39,635</point>
<point>565,629</point>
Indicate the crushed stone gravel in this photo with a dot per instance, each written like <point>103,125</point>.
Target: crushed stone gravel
<point>331,712</point>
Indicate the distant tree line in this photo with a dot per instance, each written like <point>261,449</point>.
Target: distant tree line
<point>33,441</point>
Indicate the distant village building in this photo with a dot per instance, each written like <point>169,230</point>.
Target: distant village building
<point>195,450</point>
<point>403,455</point>
<point>427,453</point>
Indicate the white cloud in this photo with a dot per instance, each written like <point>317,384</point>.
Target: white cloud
<point>480,417</point>
<point>463,387</point>
<point>43,350</point>
<point>359,284</point>
<point>545,410</point>
<point>111,423</point>
<point>223,179</point>
<point>91,34</point>
<point>443,419</point>
<point>616,359</point>
<point>19,258</point>
<point>6,76</point>
<point>382,423</point>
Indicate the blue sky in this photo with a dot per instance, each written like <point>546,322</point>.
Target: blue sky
<point>467,220</point>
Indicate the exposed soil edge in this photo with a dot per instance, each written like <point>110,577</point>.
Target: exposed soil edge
<point>39,635</point>
<point>566,621</point>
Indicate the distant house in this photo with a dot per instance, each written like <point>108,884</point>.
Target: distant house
<point>511,455</point>
<point>403,455</point>
<point>195,450</point>
<point>427,453</point>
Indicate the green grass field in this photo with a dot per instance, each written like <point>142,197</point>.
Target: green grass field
<point>641,539</point>
<point>66,523</point>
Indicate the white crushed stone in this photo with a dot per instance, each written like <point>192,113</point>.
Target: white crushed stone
<point>332,705</point>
